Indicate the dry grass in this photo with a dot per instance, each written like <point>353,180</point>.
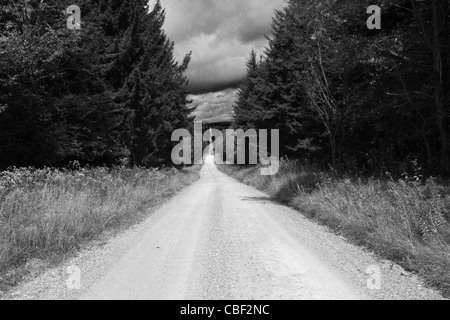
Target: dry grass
<point>405,221</point>
<point>45,214</point>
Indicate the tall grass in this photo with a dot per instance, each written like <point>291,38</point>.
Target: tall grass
<point>406,221</point>
<point>46,213</point>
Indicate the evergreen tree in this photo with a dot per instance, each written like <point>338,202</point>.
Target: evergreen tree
<point>245,113</point>
<point>108,91</point>
<point>155,96</point>
<point>357,98</point>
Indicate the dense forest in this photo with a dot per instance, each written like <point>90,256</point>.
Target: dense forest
<point>362,100</point>
<point>108,93</point>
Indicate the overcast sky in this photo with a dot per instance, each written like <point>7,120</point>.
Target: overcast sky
<point>220,34</point>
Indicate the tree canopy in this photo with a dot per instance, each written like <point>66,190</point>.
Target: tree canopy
<point>359,99</point>
<point>108,92</point>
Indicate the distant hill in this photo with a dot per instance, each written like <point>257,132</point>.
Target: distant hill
<point>220,125</point>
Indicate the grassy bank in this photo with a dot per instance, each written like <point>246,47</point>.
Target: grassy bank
<point>405,221</point>
<point>46,214</point>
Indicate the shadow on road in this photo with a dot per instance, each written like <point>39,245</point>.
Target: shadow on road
<point>259,199</point>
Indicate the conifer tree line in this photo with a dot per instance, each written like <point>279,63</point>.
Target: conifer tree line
<point>108,93</point>
<point>368,100</point>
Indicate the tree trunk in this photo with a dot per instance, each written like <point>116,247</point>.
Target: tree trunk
<point>427,148</point>
<point>333,149</point>
<point>440,11</point>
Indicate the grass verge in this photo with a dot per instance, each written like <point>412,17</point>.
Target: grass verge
<point>405,221</point>
<point>47,214</point>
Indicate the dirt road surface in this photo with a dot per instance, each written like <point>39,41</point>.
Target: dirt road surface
<point>220,239</point>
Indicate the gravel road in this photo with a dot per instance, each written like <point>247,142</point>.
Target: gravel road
<point>220,239</point>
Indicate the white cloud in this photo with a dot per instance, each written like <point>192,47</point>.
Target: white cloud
<point>213,107</point>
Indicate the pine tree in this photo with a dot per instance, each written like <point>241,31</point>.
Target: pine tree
<point>161,106</point>
<point>96,95</point>
<point>246,113</point>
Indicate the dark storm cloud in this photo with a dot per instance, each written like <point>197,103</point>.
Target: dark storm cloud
<point>255,31</point>
<point>200,87</point>
<point>220,34</point>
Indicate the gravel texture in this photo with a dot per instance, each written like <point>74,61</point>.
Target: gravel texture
<point>220,239</point>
